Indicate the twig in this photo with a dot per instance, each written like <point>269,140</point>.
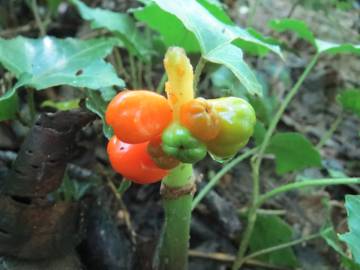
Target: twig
<point>17,30</point>
<point>39,23</point>
<point>227,258</point>
<point>124,208</point>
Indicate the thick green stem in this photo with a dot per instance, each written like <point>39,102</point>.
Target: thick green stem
<point>256,164</point>
<point>305,184</point>
<point>174,243</point>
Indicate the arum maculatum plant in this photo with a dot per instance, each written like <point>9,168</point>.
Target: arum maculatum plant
<point>158,138</point>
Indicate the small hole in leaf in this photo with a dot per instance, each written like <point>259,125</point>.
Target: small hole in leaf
<point>35,166</point>
<point>79,72</point>
<point>29,152</point>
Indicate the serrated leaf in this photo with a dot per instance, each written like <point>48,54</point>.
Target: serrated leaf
<point>271,231</point>
<point>293,152</point>
<point>332,239</point>
<point>196,28</point>
<point>48,61</point>
<point>119,23</point>
<point>350,100</point>
<point>96,104</point>
<point>352,238</point>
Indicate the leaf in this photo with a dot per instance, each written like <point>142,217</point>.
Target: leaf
<point>96,103</point>
<point>259,133</point>
<point>271,231</point>
<point>332,239</point>
<point>8,109</point>
<point>297,26</point>
<point>334,48</point>
<point>350,100</point>
<point>62,105</point>
<point>293,152</point>
<point>303,31</point>
<point>48,61</point>
<point>231,56</point>
<point>352,238</point>
<point>195,28</point>
<point>119,23</point>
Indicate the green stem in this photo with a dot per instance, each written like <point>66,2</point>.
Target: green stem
<point>198,70</point>
<point>174,243</point>
<point>134,81</point>
<point>305,184</point>
<point>160,87</point>
<point>330,132</point>
<point>214,180</point>
<point>281,246</point>
<point>256,164</point>
<point>252,13</point>
<point>39,23</point>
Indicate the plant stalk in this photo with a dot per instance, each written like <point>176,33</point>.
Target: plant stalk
<point>256,164</point>
<point>305,184</point>
<point>174,242</point>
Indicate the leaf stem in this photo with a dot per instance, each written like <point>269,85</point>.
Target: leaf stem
<point>214,180</point>
<point>281,246</point>
<point>160,87</point>
<point>39,23</point>
<point>134,81</point>
<point>331,131</point>
<point>305,184</point>
<point>198,70</point>
<point>256,164</point>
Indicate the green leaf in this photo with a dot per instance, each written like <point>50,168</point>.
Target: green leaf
<point>332,239</point>
<point>119,23</point>
<point>303,31</point>
<point>62,105</point>
<point>352,238</point>
<point>48,61</point>
<point>271,231</point>
<point>297,26</point>
<point>350,100</point>
<point>96,103</point>
<point>194,27</point>
<point>293,152</point>
<point>231,56</point>
<point>259,133</point>
<point>335,48</point>
<point>8,109</point>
